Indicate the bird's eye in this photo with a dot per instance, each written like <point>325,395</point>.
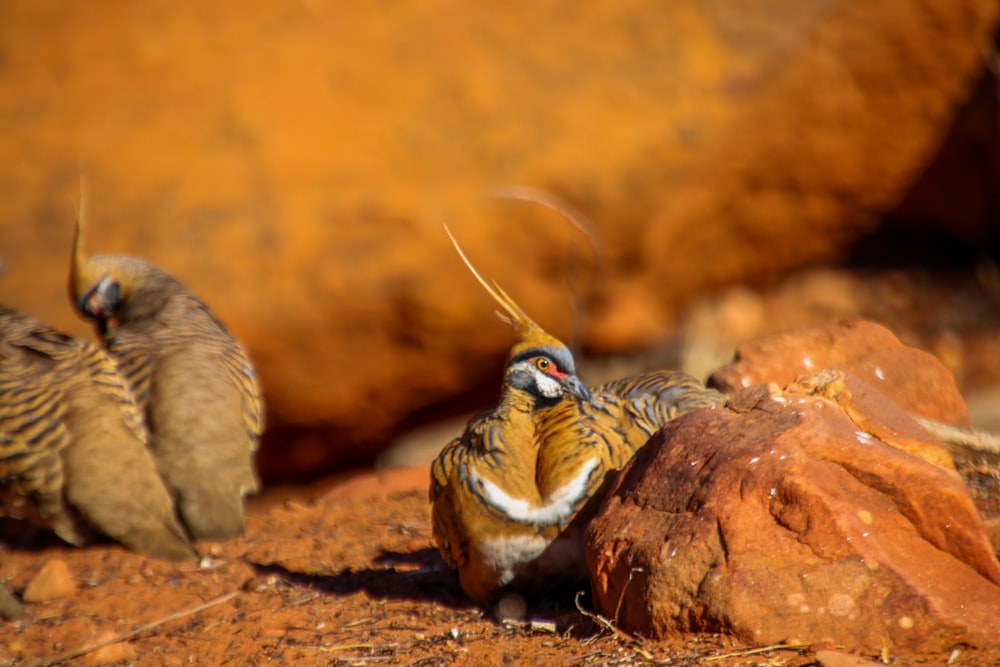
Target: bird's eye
<point>542,363</point>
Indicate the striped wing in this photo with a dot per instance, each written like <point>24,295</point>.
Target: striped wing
<point>35,363</point>
<point>138,347</point>
<point>645,403</point>
<point>452,541</point>
<point>582,442</point>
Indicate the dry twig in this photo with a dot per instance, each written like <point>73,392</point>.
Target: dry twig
<point>795,646</point>
<point>605,623</point>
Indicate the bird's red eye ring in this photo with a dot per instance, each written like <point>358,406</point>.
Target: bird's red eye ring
<point>542,364</point>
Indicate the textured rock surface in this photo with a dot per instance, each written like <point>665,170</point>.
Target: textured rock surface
<point>782,518</point>
<point>915,380</point>
<point>293,163</point>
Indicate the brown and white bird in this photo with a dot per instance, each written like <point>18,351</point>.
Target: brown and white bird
<point>73,445</point>
<point>196,386</point>
<point>511,495</point>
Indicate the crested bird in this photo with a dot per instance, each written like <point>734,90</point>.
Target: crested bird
<point>197,387</point>
<point>73,447</point>
<point>512,494</point>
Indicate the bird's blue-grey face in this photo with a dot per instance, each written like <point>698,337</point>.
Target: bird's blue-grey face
<point>547,373</point>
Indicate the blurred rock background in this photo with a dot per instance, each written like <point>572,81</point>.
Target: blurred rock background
<point>746,168</point>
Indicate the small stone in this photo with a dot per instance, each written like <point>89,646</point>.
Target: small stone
<point>838,659</point>
<point>538,625</point>
<point>272,633</point>
<point>110,654</point>
<point>52,582</point>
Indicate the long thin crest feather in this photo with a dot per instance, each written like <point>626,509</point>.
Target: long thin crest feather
<point>550,201</point>
<point>580,303</point>
<point>515,316</point>
<point>79,238</point>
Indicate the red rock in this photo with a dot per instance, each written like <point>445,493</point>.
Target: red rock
<point>53,581</point>
<point>872,412</point>
<point>300,189</point>
<point>993,531</point>
<point>912,378</point>
<point>780,518</point>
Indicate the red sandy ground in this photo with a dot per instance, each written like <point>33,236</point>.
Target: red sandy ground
<point>350,578</point>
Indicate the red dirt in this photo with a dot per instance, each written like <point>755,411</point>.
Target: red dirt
<point>350,578</point>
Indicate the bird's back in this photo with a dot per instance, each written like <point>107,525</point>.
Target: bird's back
<point>201,397</point>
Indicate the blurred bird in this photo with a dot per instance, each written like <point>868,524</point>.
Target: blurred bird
<point>195,384</point>
<point>73,445</point>
<point>512,494</point>
<point>10,608</point>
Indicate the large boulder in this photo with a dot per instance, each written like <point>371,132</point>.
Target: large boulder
<point>820,513</point>
<point>293,163</point>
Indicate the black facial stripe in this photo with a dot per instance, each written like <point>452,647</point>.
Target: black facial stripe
<point>560,355</point>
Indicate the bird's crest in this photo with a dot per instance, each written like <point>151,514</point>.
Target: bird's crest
<point>79,282</point>
<point>530,334</point>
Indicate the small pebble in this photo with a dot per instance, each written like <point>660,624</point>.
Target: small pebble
<point>110,654</point>
<point>272,633</point>
<point>839,659</point>
<point>52,582</point>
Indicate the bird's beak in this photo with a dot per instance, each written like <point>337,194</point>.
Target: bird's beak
<point>572,384</point>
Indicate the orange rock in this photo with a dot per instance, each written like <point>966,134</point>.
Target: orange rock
<point>53,581</point>
<point>912,378</point>
<point>300,189</point>
<point>110,654</point>
<point>781,519</point>
<point>839,659</point>
<point>874,413</point>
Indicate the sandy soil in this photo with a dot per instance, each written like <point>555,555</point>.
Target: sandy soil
<point>348,578</point>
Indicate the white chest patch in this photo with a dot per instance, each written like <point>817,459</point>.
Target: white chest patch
<point>557,508</point>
